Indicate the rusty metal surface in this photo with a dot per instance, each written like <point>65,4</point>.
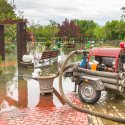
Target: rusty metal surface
<point>11,21</point>
<point>21,41</point>
<point>2,44</point>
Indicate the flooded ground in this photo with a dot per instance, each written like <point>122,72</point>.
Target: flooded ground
<point>19,91</point>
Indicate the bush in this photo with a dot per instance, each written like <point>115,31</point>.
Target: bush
<point>10,48</point>
<point>47,44</point>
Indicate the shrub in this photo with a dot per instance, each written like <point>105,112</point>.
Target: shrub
<point>47,44</point>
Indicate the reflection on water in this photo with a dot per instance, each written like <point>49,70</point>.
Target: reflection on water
<point>12,88</point>
<point>24,92</point>
<point>46,101</point>
<point>33,90</point>
<point>18,90</point>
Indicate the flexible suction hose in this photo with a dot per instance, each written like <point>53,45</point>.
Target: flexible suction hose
<point>105,116</point>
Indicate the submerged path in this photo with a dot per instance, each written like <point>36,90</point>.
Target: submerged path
<point>112,104</point>
<point>63,115</point>
<point>37,116</point>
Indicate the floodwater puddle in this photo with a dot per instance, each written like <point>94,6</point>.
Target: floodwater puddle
<point>18,91</point>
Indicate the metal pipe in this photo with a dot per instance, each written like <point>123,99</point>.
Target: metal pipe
<point>106,85</point>
<point>114,87</point>
<point>69,66</point>
<point>103,79</point>
<point>100,73</point>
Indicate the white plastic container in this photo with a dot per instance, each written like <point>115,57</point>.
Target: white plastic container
<point>27,58</point>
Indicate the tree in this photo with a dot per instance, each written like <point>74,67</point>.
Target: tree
<point>120,30</point>
<point>68,29</point>
<point>7,10</point>
<point>54,28</point>
<point>99,33</point>
<point>48,32</point>
<point>110,29</point>
<point>87,28</point>
<point>115,30</point>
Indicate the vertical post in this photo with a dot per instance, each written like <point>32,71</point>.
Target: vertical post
<point>21,41</point>
<point>23,93</point>
<point>75,89</point>
<point>2,43</point>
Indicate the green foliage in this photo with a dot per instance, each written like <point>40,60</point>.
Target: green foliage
<point>47,32</point>
<point>79,30</point>
<point>10,33</point>
<point>115,30</point>
<point>47,44</point>
<point>110,29</point>
<point>87,28</point>
<point>99,33</point>
<point>10,48</point>
<point>7,10</point>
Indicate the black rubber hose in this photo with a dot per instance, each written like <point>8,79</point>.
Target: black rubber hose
<point>105,116</point>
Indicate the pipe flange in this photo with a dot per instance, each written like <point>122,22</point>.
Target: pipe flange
<point>122,83</point>
<point>121,75</point>
<point>121,89</point>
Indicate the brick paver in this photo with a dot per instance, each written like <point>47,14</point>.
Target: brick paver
<point>111,104</point>
<point>45,116</point>
<point>65,115</point>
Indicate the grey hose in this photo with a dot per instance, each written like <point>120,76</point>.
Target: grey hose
<point>105,116</point>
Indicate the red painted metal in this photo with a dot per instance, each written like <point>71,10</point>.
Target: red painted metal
<point>122,44</point>
<point>107,52</point>
<point>110,52</point>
